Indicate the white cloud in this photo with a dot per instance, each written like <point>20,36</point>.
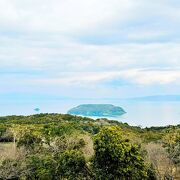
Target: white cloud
<point>73,57</point>
<point>41,36</point>
<point>143,77</point>
<point>155,77</point>
<point>64,16</point>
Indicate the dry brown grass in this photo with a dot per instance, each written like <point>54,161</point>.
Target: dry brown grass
<point>88,148</point>
<point>158,156</point>
<point>9,151</point>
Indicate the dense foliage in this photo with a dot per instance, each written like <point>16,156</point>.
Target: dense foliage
<point>115,157</point>
<point>62,146</point>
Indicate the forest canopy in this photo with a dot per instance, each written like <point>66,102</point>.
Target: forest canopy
<point>62,146</point>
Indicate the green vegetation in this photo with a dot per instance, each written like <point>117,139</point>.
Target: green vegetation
<point>62,146</point>
<point>115,157</point>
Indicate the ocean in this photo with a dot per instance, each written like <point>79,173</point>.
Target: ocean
<point>139,113</point>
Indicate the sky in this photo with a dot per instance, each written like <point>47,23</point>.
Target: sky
<point>89,48</point>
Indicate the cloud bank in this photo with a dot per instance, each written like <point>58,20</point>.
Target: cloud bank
<point>117,45</point>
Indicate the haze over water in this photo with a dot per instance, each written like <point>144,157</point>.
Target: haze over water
<point>139,113</point>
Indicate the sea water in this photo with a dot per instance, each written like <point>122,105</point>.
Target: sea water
<point>138,113</point>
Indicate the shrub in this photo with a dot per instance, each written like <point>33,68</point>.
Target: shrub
<point>115,157</point>
<point>71,165</point>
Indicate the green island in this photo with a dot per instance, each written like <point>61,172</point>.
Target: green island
<point>108,110</point>
<point>67,147</point>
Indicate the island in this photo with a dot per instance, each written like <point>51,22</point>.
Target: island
<point>105,110</point>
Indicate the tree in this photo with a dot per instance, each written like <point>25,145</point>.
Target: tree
<point>41,167</point>
<point>12,169</point>
<point>171,142</point>
<point>29,140</point>
<point>115,157</point>
<point>71,165</point>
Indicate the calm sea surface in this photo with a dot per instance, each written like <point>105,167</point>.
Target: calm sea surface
<point>141,113</point>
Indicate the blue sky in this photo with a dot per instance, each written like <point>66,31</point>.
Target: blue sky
<point>89,48</point>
